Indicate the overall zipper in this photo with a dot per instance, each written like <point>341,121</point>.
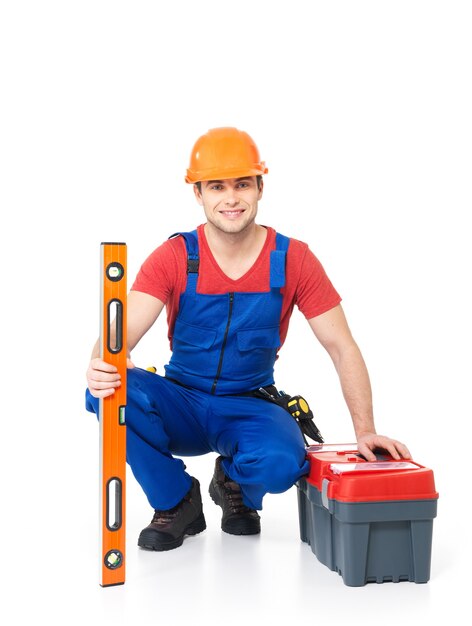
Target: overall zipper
<point>223,345</point>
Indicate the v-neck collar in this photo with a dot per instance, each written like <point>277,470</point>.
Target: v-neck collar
<point>259,260</point>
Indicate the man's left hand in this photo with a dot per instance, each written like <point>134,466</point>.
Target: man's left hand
<point>368,442</point>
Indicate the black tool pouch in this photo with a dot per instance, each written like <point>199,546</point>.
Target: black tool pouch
<point>296,406</point>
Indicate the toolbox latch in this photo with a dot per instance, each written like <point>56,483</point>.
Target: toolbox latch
<point>324,493</point>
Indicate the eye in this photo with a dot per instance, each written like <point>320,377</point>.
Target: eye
<point>243,185</point>
<point>216,187</point>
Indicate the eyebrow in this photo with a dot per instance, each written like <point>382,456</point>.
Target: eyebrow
<point>212,182</point>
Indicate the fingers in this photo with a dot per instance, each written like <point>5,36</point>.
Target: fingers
<point>102,389</point>
<point>101,394</point>
<point>402,450</point>
<point>395,448</point>
<point>102,366</point>
<point>102,378</point>
<point>366,452</point>
<point>392,449</point>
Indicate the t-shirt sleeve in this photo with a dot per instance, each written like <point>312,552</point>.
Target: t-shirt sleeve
<point>157,276</point>
<point>315,292</point>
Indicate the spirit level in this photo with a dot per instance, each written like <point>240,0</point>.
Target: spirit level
<point>112,416</point>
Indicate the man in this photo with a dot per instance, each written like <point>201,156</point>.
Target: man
<point>229,289</point>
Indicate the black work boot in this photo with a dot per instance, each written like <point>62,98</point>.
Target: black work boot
<point>238,519</point>
<point>168,528</point>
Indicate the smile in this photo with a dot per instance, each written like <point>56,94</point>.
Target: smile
<point>232,213</point>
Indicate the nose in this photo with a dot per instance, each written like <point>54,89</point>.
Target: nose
<point>231,199</point>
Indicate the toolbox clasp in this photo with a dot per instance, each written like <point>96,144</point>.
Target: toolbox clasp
<point>324,493</point>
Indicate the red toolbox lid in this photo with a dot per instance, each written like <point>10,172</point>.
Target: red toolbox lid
<point>353,479</point>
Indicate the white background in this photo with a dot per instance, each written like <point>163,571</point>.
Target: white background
<point>362,112</point>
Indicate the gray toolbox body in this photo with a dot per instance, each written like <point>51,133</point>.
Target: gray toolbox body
<point>368,522</point>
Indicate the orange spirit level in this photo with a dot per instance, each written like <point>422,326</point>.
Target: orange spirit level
<point>113,350</point>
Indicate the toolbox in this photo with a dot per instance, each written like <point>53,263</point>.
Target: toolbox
<point>368,521</point>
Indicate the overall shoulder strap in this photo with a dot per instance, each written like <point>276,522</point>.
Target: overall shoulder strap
<point>193,259</point>
<point>277,261</point>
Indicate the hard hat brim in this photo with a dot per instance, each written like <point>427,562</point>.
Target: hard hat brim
<point>220,174</point>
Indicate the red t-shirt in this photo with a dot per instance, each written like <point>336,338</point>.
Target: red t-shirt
<point>164,276</point>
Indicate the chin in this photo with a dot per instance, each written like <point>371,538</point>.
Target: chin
<point>230,226</point>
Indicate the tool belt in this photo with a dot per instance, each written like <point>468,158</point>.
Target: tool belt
<point>298,408</point>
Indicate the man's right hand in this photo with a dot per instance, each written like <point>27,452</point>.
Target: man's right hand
<point>102,378</point>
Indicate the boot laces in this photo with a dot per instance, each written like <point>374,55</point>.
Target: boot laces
<point>165,517</point>
<point>235,497</point>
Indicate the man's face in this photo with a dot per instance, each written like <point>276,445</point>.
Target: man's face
<point>230,205</point>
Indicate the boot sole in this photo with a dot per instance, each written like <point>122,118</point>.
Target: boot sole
<point>149,539</point>
<point>235,526</point>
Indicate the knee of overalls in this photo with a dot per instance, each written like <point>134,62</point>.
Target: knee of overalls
<point>276,470</point>
<point>264,446</point>
<point>272,455</point>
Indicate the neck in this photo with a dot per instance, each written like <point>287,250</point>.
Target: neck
<point>236,253</point>
<point>231,244</point>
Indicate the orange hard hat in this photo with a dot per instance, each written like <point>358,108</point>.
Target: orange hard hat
<point>224,153</point>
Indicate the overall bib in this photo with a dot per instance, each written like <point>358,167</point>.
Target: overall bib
<point>222,346</point>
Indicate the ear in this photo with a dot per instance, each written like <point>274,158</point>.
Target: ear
<point>261,189</point>
<point>198,195</point>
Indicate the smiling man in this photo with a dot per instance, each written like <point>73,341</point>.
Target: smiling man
<point>229,289</point>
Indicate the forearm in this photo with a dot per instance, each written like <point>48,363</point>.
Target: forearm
<point>142,310</point>
<point>356,388</point>
<point>103,378</point>
<point>96,348</point>
<point>333,333</point>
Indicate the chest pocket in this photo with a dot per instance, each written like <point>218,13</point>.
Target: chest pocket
<point>192,348</point>
<point>258,338</point>
<point>194,335</point>
<point>254,350</point>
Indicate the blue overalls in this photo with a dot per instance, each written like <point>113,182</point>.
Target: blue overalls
<point>222,346</point>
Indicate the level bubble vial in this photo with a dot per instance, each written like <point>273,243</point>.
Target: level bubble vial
<point>113,559</point>
<point>115,271</point>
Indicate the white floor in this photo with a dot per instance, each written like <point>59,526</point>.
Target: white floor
<point>214,578</point>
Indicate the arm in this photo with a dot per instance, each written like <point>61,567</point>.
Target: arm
<point>332,331</point>
<point>142,310</point>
